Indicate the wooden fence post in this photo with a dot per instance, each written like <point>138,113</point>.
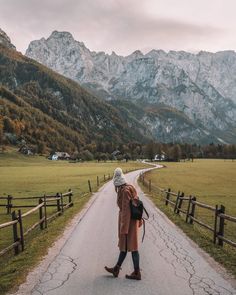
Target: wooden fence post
<point>15,235</point>
<point>221,225</point>
<point>70,198</point>
<point>62,203</point>
<point>150,185</point>
<point>21,231</point>
<point>177,201</point>
<point>179,205</point>
<point>90,188</point>
<point>9,204</point>
<point>58,202</point>
<point>188,209</point>
<point>167,196</point>
<point>45,211</point>
<point>215,225</point>
<point>41,213</point>
<point>192,213</point>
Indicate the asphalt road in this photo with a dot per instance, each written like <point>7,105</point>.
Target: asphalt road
<point>170,262</point>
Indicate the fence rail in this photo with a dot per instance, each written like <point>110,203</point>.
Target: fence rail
<point>44,202</point>
<point>218,228</point>
<point>49,198</point>
<point>18,218</point>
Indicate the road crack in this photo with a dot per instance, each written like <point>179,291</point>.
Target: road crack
<point>172,251</point>
<point>57,274</point>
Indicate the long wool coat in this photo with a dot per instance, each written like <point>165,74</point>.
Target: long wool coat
<point>127,227</point>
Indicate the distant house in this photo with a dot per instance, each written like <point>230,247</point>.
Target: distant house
<point>26,150</point>
<point>53,157</point>
<point>115,154</point>
<point>59,156</point>
<point>160,157</point>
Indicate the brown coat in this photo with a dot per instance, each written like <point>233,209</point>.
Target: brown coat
<point>127,227</point>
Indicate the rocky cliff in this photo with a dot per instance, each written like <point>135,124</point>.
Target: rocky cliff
<point>202,87</point>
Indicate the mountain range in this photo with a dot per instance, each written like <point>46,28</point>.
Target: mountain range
<point>175,96</point>
<point>42,107</point>
<point>169,97</point>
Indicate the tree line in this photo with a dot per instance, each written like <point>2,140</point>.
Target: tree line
<point>103,151</point>
<point>186,151</point>
<point>16,132</point>
<point>27,125</point>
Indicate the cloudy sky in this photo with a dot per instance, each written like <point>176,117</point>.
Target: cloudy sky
<point>124,26</point>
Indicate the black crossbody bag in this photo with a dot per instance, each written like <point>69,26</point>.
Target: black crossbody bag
<point>137,210</point>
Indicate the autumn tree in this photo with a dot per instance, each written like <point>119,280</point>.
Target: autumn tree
<point>1,132</point>
<point>150,151</point>
<point>86,155</point>
<point>8,125</point>
<point>41,148</point>
<point>176,152</point>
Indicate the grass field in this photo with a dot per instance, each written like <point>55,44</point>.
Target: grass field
<point>212,182</point>
<point>35,176</point>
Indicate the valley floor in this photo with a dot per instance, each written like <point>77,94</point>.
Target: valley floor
<point>170,262</point>
<point>212,182</point>
<point>27,176</point>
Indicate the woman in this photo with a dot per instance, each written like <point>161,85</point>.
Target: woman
<point>127,227</point>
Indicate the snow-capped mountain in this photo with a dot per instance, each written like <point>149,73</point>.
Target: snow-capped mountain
<point>45,109</point>
<point>202,87</point>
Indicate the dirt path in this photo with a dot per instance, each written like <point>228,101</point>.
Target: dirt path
<point>170,262</point>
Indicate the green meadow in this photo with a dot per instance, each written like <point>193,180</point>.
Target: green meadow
<point>212,182</point>
<point>34,175</point>
<point>26,176</point>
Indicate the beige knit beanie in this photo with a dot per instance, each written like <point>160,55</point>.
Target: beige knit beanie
<point>119,177</point>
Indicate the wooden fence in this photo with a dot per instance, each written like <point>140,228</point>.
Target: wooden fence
<point>106,177</point>
<point>59,201</point>
<point>49,198</point>
<point>176,200</point>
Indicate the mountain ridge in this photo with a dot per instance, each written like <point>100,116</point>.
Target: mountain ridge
<point>74,117</point>
<point>5,40</point>
<point>180,80</point>
<point>137,51</point>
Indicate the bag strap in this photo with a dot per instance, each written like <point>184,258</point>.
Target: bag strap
<point>143,219</point>
<point>146,213</point>
<point>143,229</point>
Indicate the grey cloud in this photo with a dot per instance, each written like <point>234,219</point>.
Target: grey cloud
<point>108,25</point>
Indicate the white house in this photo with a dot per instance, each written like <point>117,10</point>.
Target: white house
<point>59,156</point>
<point>54,157</point>
<point>160,157</point>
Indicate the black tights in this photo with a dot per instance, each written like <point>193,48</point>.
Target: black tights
<point>135,258</point>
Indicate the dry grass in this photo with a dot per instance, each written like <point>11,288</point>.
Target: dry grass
<point>212,182</point>
<point>34,176</point>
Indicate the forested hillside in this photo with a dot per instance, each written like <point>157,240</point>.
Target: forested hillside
<point>50,111</point>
